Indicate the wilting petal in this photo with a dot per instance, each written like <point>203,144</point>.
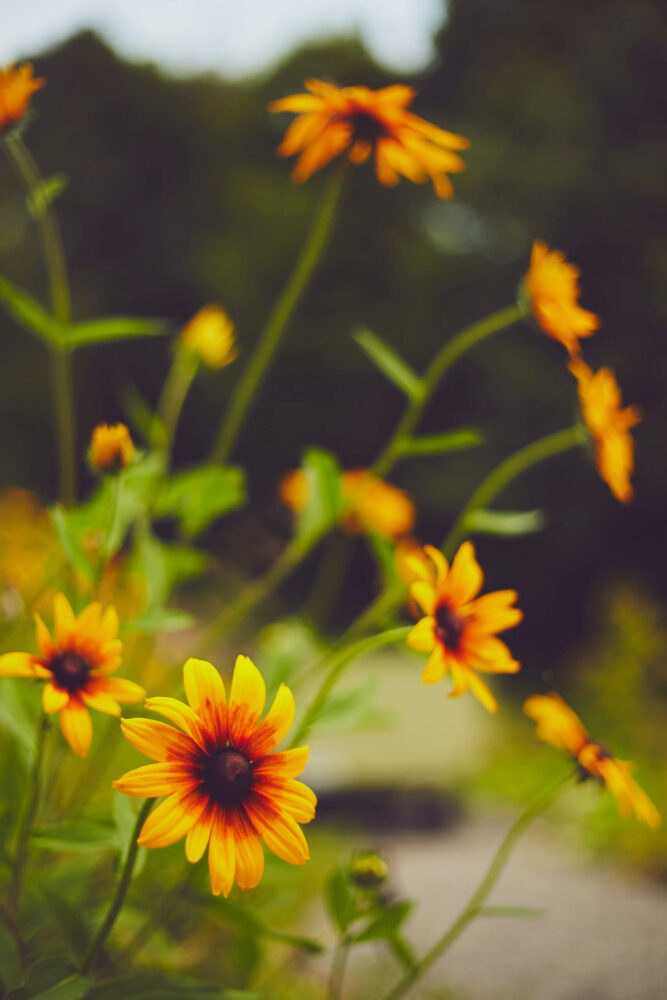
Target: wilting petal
<point>249,853</point>
<point>205,692</point>
<point>159,741</point>
<point>280,832</point>
<point>221,855</point>
<point>300,133</point>
<point>77,726</point>
<point>172,819</point>
<point>155,779</point>
<point>246,701</point>
<point>275,726</point>
<point>53,698</point>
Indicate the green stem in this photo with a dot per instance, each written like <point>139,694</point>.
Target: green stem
<point>473,907</point>
<point>61,379</point>
<point>439,366</point>
<point>508,470</point>
<point>27,818</point>
<point>121,891</point>
<point>279,318</point>
<point>338,966</point>
<point>176,387</point>
<point>338,662</point>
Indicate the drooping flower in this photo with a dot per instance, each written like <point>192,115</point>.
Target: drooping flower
<point>559,726</point>
<point>16,88</point>
<point>609,425</point>
<point>459,631</point>
<point>225,787</point>
<point>111,448</point>
<point>75,663</point>
<point>210,336</point>
<point>371,504</point>
<point>553,288</point>
<point>364,123</point>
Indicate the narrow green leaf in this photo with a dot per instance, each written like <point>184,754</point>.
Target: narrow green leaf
<point>199,496</point>
<point>11,975</point>
<point>75,837</point>
<point>434,444</point>
<point>160,620</point>
<point>508,523</point>
<point>324,498</point>
<point>243,917</point>
<point>41,977</point>
<point>29,313</point>
<point>339,899</point>
<point>73,988</point>
<point>520,912</point>
<point>389,362</point>
<point>385,924</point>
<point>46,194</point>
<point>96,331</point>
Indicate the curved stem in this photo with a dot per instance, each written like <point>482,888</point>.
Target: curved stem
<point>439,366</point>
<point>176,387</point>
<point>340,957</point>
<point>28,818</point>
<point>279,318</point>
<point>473,907</point>
<point>339,661</point>
<point>121,891</point>
<point>508,470</point>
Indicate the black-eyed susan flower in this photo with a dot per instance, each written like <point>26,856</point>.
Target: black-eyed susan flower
<point>210,336</point>
<point>559,726</point>
<point>552,284</point>
<point>111,448</point>
<point>458,631</point>
<point>609,426</point>
<point>75,664</point>
<point>225,787</point>
<point>16,88</point>
<point>364,123</point>
<point>370,504</point>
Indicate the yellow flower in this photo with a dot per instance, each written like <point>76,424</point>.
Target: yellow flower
<point>365,122</point>
<point>111,447</point>
<point>553,287</point>
<point>609,425</point>
<point>29,553</point>
<point>16,88</point>
<point>371,505</point>
<point>558,725</point>
<point>225,787</point>
<point>210,335</point>
<point>75,664</point>
<point>458,631</point>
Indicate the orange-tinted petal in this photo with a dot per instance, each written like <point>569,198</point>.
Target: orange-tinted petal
<point>286,764</point>
<point>246,701</point>
<point>198,836</point>
<point>280,832</point>
<point>155,779</point>
<point>119,689</point>
<point>465,576</point>
<point>172,819</point>
<point>181,715</point>
<point>77,726</point>
<point>221,855</point>
<point>275,726</point>
<point>53,698</point>
<point>17,665</point>
<point>205,692</point>
<point>159,741</point>
<point>249,853</point>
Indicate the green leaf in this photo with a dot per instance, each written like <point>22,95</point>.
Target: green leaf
<point>199,496</point>
<point>11,975</point>
<point>435,444</point>
<point>520,912</point>
<point>340,899</point>
<point>504,522</point>
<point>42,976</point>
<point>125,813</point>
<point>97,331</point>
<point>15,716</point>
<point>86,836</point>
<point>324,498</point>
<point>389,363</point>
<point>72,988</point>
<point>29,313</point>
<point>385,924</point>
<point>160,620</point>
<point>139,414</point>
<point>245,918</point>
<point>46,194</point>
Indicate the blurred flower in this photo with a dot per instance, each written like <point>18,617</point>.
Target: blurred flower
<point>371,505</point>
<point>225,788</point>
<point>16,88</point>
<point>111,448</point>
<point>369,122</point>
<point>558,725</point>
<point>609,425</point>
<point>412,561</point>
<point>30,556</point>
<point>553,287</point>
<point>368,871</point>
<point>74,664</point>
<point>458,631</point>
<point>210,335</point>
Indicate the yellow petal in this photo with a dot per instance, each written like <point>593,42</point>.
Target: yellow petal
<point>44,640</point>
<point>197,838</point>
<point>180,714</point>
<point>157,740</point>
<point>425,595</point>
<point>154,779</point>
<point>246,700</point>
<point>280,832</point>
<point>77,726</point>
<point>276,725</point>
<point>17,665</point>
<point>293,796</point>
<point>221,856</point>
<point>172,819</point>
<point>422,638</point>
<point>481,691</point>
<point>65,622</point>
<point>119,689</point>
<point>435,668</point>
<point>88,622</point>
<point>205,692</point>
<point>100,701</point>
<point>249,854</point>
<point>465,577</point>
<point>286,764</point>
<point>108,628</point>
<point>53,698</point>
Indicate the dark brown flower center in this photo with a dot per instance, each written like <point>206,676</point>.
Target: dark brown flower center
<point>448,626</point>
<point>365,126</point>
<point>227,776</point>
<point>70,670</point>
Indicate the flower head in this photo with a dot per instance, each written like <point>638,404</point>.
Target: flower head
<point>224,786</point>
<point>371,505</point>
<point>75,663</point>
<point>609,425</point>
<point>111,448</point>
<point>558,725</point>
<point>368,871</point>
<point>364,123</point>
<point>553,288</point>
<point>210,336</point>
<point>16,88</point>
<point>458,631</point>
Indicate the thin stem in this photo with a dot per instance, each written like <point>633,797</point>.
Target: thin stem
<point>338,662</point>
<point>121,891</point>
<point>276,325</point>
<point>338,966</point>
<point>509,469</point>
<point>63,400</point>
<point>176,387</point>
<point>439,366</point>
<point>28,818</point>
<point>474,905</point>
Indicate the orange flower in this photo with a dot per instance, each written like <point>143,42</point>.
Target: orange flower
<point>458,631</point>
<point>16,88</point>
<point>367,122</point>
<point>225,787</point>
<point>553,287</point>
<point>371,505</point>
<point>75,664</point>
<point>210,336</point>
<point>111,447</point>
<point>559,726</point>
<point>609,425</point>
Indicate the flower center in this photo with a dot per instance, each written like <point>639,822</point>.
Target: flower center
<point>448,626</point>
<point>228,776</point>
<point>70,670</point>
<point>366,127</point>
